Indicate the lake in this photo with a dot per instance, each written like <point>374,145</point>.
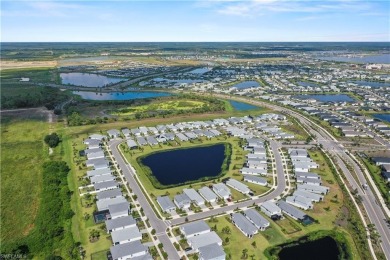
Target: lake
<point>327,98</point>
<point>246,84</point>
<point>200,71</point>
<point>178,80</point>
<point>321,249</point>
<point>373,84</point>
<point>87,79</point>
<point>120,95</point>
<point>241,106</point>
<point>307,84</point>
<point>383,117</point>
<point>182,165</point>
<point>382,58</point>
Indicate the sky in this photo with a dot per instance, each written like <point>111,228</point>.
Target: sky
<point>195,21</point>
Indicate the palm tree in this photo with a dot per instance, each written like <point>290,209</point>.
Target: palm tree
<point>244,253</point>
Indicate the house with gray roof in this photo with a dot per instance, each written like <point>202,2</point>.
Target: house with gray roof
<point>130,250</point>
<point>291,211</point>
<point>239,186</point>
<point>208,194</point>
<point>256,163</point>
<point>194,196</point>
<point>182,137</point>
<point>109,194</point>
<point>308,175</point>
<point>135,132</point>
<point>221,190</point>
<point>144,130</point>
<point>93,150</point>
<point>103,204</point>
<point>141,141</point>
<point>256,180</point>
<point>253,171</point>
<point>215,132</point>
<point>103,171</point>
<point>182,201</point>
<point>151,140</point>
<point>131,144</point>
<point>304,166</point>
<point>98,163</point>
<point>271,209</point>
<point>258,220</point>
<point>90,141</point>
<point>126,132</point>
<point>95,155</point>
<point>313,188</point>
<point>107,185</point>
<point>97,137</point>
<point>113,133</point>
<point>244,225</point>
<point>314,197</point>
<point>309,181</point>
<point>204,239</point>
<point>381,160</point>
<point>120,223</point>
<point>118,210</point>
<point>211,252</point>
<point>195,228</point>
<point>102,178</point>
<point>300,202</point>
<point>125,235</point>
<point>166,204</point>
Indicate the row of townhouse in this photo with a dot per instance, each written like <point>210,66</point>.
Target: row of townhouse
<point>112,207</point>
<point>203,241</point>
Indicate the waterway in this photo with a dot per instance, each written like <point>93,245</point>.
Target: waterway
<point>182,165</point>
<point>327,98</point>
<point>382,58</point>
<point>383,117</point>
<point>241,106</point>
<point>247,84</point>
<point>88,79</point>
<point>373,84</point>
<point>120,95</point>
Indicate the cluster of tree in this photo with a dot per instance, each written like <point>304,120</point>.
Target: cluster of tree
<point>39,96</point>
<point>52,224</point>
<point>52,140</point>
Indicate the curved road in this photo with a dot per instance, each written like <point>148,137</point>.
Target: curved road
<point>372,207</point>
<point>161,226</point>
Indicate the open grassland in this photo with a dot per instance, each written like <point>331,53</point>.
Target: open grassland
<point>22,154</point>
<point>178,105</point>
<point>10,64</point>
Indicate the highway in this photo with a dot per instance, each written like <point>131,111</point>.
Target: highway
<point>159,225</point>
<point>369,202</point>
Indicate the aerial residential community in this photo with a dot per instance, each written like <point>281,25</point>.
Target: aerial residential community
<point>210,130</point>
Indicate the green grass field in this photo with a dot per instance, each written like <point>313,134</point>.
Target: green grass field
<point>177,105</point>
<point>22,154</point>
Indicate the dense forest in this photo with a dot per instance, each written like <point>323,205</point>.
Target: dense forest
<point>39,96</point>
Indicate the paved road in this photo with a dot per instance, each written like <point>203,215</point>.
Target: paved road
<point>370,204</point>
<point>159,225</point>
<point>274,194</point>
